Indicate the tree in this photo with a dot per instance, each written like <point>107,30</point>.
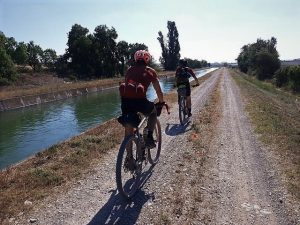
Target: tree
<point>260,58</point>
<point>61,65</point>
<point>123,55</point>
<point>164,55</point>
<point>194,63</point>
<point>49,58</point>
<point>79,50</point>
<point>170,50</point>
<point>266,64</point>
<point>7,69</point>
<point>20,55</point>
<point>35,54</point>
<point>105,50</point>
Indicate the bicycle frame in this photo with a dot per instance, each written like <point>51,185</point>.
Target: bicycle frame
<point>129,180</point>
<point>182,103</point>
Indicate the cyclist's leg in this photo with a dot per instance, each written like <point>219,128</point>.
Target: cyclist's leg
<point>126,107</point>
<point>148,109</point>
<point>188,99</point>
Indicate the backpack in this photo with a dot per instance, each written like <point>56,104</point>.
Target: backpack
<point>132,89</point>
<point>182,75</point>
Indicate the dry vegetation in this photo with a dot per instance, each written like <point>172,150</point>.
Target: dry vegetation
<point>276,118</point>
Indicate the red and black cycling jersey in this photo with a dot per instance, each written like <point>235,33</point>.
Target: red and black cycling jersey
<point>141,74</point>
<point>137,81</point>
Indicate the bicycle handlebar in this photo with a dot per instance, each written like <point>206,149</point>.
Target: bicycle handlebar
<point>159,107</point>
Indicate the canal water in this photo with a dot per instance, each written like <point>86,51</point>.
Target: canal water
<point>26,131</point>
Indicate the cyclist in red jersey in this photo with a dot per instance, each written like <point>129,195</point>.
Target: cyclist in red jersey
<point>182,75</point>
<point>133,95</point>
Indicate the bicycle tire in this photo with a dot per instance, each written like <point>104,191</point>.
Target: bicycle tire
<point>129,184</point>
<point>155,151</point>
<point>182,108</point>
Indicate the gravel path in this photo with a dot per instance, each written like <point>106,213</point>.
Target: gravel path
<point>248,190</point>
<point>240,187</point>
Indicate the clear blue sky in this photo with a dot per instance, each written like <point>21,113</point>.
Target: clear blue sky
<point>214,30</point>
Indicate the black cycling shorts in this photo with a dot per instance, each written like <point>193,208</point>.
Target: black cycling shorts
<point>188,88</point>
<point>136,105</point>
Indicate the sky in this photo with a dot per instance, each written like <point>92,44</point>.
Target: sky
<point>213,30</point>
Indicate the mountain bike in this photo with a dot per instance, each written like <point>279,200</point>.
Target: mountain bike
<point>129,181</point>
<point>183,110</point>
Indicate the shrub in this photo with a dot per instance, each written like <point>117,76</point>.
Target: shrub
<point>294,78</point>
<point>281,77</point>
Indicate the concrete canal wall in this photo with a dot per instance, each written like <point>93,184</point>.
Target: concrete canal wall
<point>24,101</point>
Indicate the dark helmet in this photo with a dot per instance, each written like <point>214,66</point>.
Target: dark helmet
<point>183,62</point>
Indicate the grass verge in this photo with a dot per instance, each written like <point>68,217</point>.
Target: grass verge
<point>276,118</point>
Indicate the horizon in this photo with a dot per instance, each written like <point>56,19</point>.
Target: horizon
<point>223,27</point>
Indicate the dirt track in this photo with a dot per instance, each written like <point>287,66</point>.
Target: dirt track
<point>239,186</point>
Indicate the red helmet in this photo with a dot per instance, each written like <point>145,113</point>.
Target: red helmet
<point>142,55</point>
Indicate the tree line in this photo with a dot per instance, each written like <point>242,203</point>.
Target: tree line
<point>19,53</point>
<point>88,55</point>
<point>261,59</point>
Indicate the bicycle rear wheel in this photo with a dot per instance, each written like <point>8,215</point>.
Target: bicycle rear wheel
<point>154,153</point>
<point>127,181</point>
<point>182,110</point>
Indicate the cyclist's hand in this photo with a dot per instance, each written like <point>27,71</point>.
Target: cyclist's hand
<point>159,106</point>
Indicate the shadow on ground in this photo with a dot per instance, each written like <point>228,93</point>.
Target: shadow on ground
<point>119,211</point>
<point>176,129</point>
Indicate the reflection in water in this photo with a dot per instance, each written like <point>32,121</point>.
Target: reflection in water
<point>26,131</point>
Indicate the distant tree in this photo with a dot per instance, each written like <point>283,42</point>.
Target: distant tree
<point>7,68</point>
<point>20,55</point>
<point>194,63</point>
<point>266,64</point>
<point>62,66</point>
<point>281,77</point>
<point>79,50</point>
<point>35,54</point>
<point>294,78</point>
<point>164,50</point>
<point>170,50</point>
<point>123,55</point>
<point>10,47</point>
<point>260,59</point>
<point>49,58</point>
<point>105,50</point>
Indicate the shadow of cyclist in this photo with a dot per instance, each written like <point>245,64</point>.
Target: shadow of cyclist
<point>176,129</point>
<point>119,211</point>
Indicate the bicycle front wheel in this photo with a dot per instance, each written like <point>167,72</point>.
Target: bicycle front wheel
<point>154,153</point>
<point>182,110</point>
<point>127,176</point>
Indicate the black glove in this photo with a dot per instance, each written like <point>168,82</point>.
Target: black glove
<point>159,106</point>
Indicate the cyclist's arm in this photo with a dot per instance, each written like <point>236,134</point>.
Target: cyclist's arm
<point>194,76</point>
<point>158,90</point>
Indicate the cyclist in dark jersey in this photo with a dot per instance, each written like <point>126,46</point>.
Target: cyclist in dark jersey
<point>182,75</point>
<point>133,95</point>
